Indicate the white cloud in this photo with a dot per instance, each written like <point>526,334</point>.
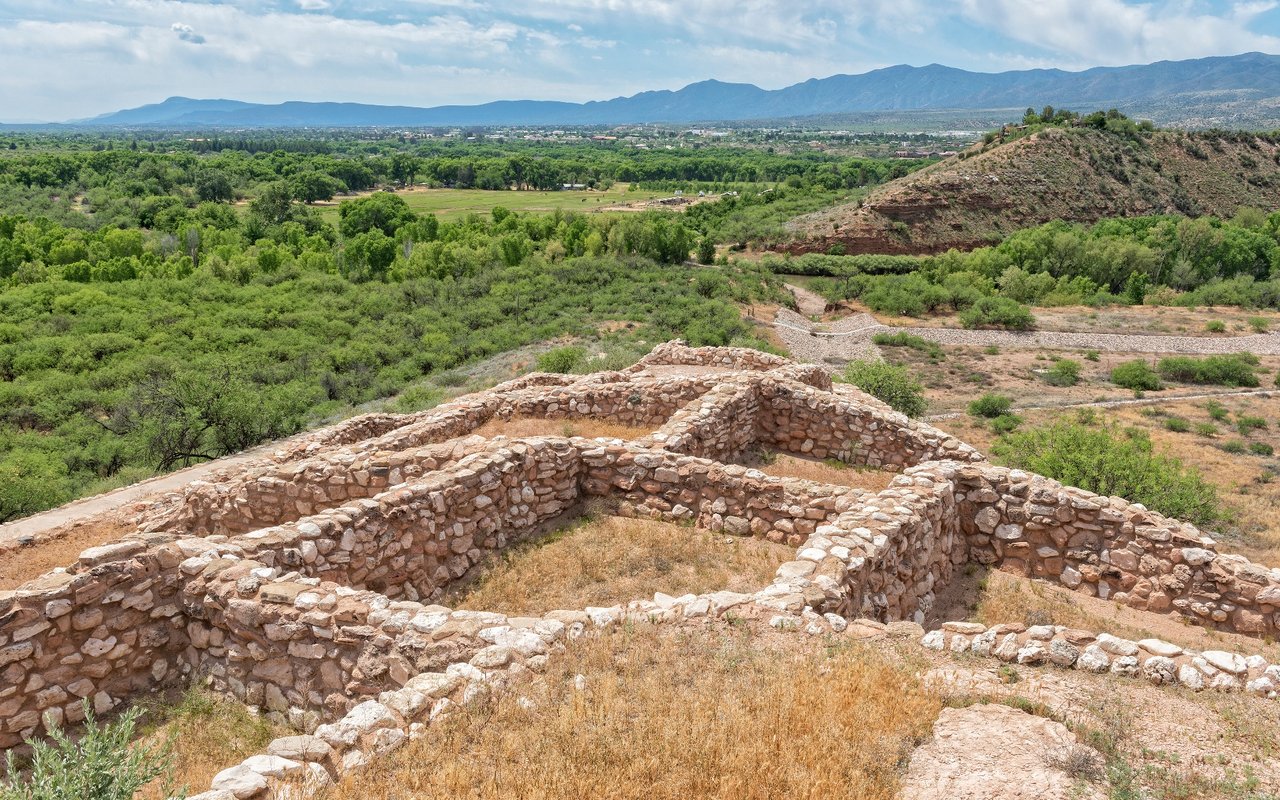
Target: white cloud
<point>186,33</point>
<point>1115,32</point>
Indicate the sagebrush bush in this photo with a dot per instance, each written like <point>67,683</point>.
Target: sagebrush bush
<point>1112,462</point>
<point>1177,425</point>
<point>998,312</point>
<point>1230,370</point>
<point>903,339</point>
<point>990,406</point>
<point>101,764</point>
<point>1136,375</point>
<point>1064,372</point>
<point>891,384</point>
<point>561,359</point>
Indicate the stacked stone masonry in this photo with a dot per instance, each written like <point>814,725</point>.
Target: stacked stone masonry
<point>305,584</point>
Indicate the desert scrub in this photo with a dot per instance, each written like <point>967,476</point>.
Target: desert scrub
<point>931,349</point>
<point>561,359</point>
<point>1177,425</point>
<point>1136,375</point>
<point>101,764</point>
<point>1064,372</point>
<point>990,406</point>
<point>998,312</point>
<point>1232,370</point>
<point>1113,462</point>
<point>890,384</point>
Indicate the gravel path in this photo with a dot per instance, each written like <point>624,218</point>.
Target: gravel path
<point>1155,399</point>
<point>850,338</point>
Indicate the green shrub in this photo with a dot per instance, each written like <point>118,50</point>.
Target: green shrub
<point>1177,425</point>
<point>1206,429</point>
<point>1259,324</point>
<point>561,359</point>
<point>1234,446</point>
<point>1247,424</point>
<point>1215,326</point>
<point>1136,375</point>
<point>100,765</point>
<point>998,312</point>
<point>1261,449</point>
<point>994,350</point>
<point>1108,462</point>
<point>990,406</point>
<point>1092,355</point>
<point>1064,372</point>
<point>903,339</point>
<point>1216,410</point>
<point>1006,423</point>
<point>888,383</point>
<point>1232,370</point>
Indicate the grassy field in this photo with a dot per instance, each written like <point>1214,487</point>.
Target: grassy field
<point>453,204</point>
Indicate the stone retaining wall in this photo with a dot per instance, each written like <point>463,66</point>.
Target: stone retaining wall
<point>1108,547</point>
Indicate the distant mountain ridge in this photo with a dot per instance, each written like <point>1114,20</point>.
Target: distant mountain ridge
<point>1166,85</point>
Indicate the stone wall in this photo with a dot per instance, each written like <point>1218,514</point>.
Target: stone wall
<point>1107,547</point>
<point>299,586</point>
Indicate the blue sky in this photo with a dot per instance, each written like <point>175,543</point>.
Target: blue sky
<point>63,59</point>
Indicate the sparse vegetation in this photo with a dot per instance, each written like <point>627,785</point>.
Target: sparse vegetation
<point>903,339</point>
<point>998,312</point>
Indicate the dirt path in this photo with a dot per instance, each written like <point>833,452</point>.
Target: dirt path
<point>809,303</point>
<point>837,342</point>
<point>1152,400</point>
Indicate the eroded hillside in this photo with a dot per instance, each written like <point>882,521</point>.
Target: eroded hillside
<point>1078,174</point>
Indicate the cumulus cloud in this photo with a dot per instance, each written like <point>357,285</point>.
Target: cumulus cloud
<point>186,33</point>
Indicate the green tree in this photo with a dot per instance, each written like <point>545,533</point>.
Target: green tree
<point>706,250</point>
<point>382,210</point>
<point>213,186</point>
<point>311,187</point>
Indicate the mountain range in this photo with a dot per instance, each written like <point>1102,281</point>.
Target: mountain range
<point>1170,91</point>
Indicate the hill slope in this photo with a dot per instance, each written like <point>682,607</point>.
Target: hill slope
<point>1073,174</point>
<point>1167,91</point>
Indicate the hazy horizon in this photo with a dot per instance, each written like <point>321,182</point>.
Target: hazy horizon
<point>81,58</point>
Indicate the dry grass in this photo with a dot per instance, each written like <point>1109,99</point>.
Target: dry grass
<point>832,472</point>
<point>667,715</point>
<point>613,560</point>
<point>1009,598</point>
<point>209,734</point>
<point>27,563</point>
<point>540,426</point>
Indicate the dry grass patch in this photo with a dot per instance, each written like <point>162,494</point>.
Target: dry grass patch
<point>58,550</point>
<point>208,734</point>
<point>666,715</point>
<point>608,560</point>
<point>517,427</point>
<point>831,472</point>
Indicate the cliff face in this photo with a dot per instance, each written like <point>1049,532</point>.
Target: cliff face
<point>1078,175</point>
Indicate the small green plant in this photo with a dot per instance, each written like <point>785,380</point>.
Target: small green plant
<point>1234,446</point>
<point>1092,355</point>
<point>1136,375</point>
<point>100,765</point>
<point>1206,429</point>
<point>891,384</point>
<point>1086,416</point>
<point>1177,425</point>
<point>1261,449</point>
<point>1216,410</point>
<point>1064,372</point>
<point>1246,424</point>
<point>990,406</point>
<point>1215,326</point>
<point>1259,324</point>
<point>561,359</point>
<point>991,350</point>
